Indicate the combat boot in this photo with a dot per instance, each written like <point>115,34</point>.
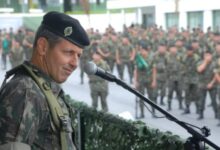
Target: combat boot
<point>153,113</point>
<point>186,111</point>
<point>169,106</point>
<point>201,116</point>
<point>180,105</point>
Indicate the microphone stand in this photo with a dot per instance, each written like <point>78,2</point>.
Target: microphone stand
<point>192,143</point>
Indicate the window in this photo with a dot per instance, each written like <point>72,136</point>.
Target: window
<point>172,19</point>
<point>216,20</point>
<point>195,19</point>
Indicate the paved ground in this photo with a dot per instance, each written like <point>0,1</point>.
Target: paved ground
<point>120,100</point>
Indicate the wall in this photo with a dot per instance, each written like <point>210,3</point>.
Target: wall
<point>166,6</point>
<point>97,21</point>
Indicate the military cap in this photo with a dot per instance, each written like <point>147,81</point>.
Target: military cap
<point>143,45</point>
<point>189,47</point>
<point>162,43</point>
<point>66,27</point>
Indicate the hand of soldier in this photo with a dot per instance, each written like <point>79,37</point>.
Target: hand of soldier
<point>154,84</point>
<point>118,62</point>
<point>209,86</point>
<point>208,57</point>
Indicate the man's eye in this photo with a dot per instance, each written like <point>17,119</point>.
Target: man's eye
<point>68,52</point>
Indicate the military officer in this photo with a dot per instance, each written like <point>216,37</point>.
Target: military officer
<point>33,110</point>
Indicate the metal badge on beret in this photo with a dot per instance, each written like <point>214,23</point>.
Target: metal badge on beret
<point>68,31</point>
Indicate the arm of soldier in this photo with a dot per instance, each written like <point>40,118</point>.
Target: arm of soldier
<point>217,77</point>
<point>154,77</point>
<point>102,53</point>
<point>135,77</point>
<point>202,66</point>
<point>211,83</point>
<point>117,57</point>
<point>19,116</point>
<point>132,54</point>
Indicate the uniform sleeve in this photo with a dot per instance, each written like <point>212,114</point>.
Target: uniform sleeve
<point>19,113</point>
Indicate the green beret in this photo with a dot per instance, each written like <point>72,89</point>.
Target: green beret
<point>66,27</point>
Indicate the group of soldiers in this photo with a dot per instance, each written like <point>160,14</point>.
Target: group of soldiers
<point>158,62</point>
<point>15,46</point>
<point>161,62</point>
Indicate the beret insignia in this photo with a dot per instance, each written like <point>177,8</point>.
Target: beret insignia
<point>68,31</point>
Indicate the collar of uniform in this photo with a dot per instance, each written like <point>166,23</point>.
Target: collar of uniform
<point>55,87</point>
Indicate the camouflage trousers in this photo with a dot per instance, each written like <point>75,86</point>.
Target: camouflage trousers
<point>111,63</point>
<point>121,67</point>
<point>191,95</point>
<point>174,86</point>
<point>161,87</point>
<point>103,96</point>
<point>146,86</point>
<point>202,98</point>
<point>218,97</point>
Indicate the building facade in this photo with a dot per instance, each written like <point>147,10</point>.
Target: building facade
<point>168,13</point>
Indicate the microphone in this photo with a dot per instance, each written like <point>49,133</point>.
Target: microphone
<point>92,69</point>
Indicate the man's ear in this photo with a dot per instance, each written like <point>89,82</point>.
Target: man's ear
<point>42,45</point>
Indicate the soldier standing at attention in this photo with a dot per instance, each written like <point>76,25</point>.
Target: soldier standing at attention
<point>145,76</point>
<point>28,44</point>
<point>124,57</point>
<point>16,54</point>
<point>99,86</point>
<point>174,74</point>
<point>34,112</point>
<point>190,62</point>
<point>160,59</point>
<point>113,45</point>
<point>6,47</point>
<point>86,56</point>
<point>206,83</point>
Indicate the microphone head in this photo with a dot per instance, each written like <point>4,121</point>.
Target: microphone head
<point>90,68</point>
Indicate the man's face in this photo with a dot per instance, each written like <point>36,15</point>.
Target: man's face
<point>62,60</point>
<point>162,49</point>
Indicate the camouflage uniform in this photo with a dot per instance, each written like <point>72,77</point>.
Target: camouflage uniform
<point>99,87</point>
<point>86,56</point>
<point>16,56</point>
<point>217,71</point>
<point>190,80</point>
<point>144,80</point>
<point>205,78</point>
<point>174,74</point>
<point>27,44</point>
<point>25,114</point>
<point>113,46</point>
<point>124,52</point>
<point>161,66</point>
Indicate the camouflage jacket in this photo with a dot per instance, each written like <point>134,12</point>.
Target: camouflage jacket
<point>24,112</point>
<point>207,75</point>
<point>161,66</point>
<point>190,69</point>
<point>97,83</point>
<point>174,67</point>
<point>145,74</point>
